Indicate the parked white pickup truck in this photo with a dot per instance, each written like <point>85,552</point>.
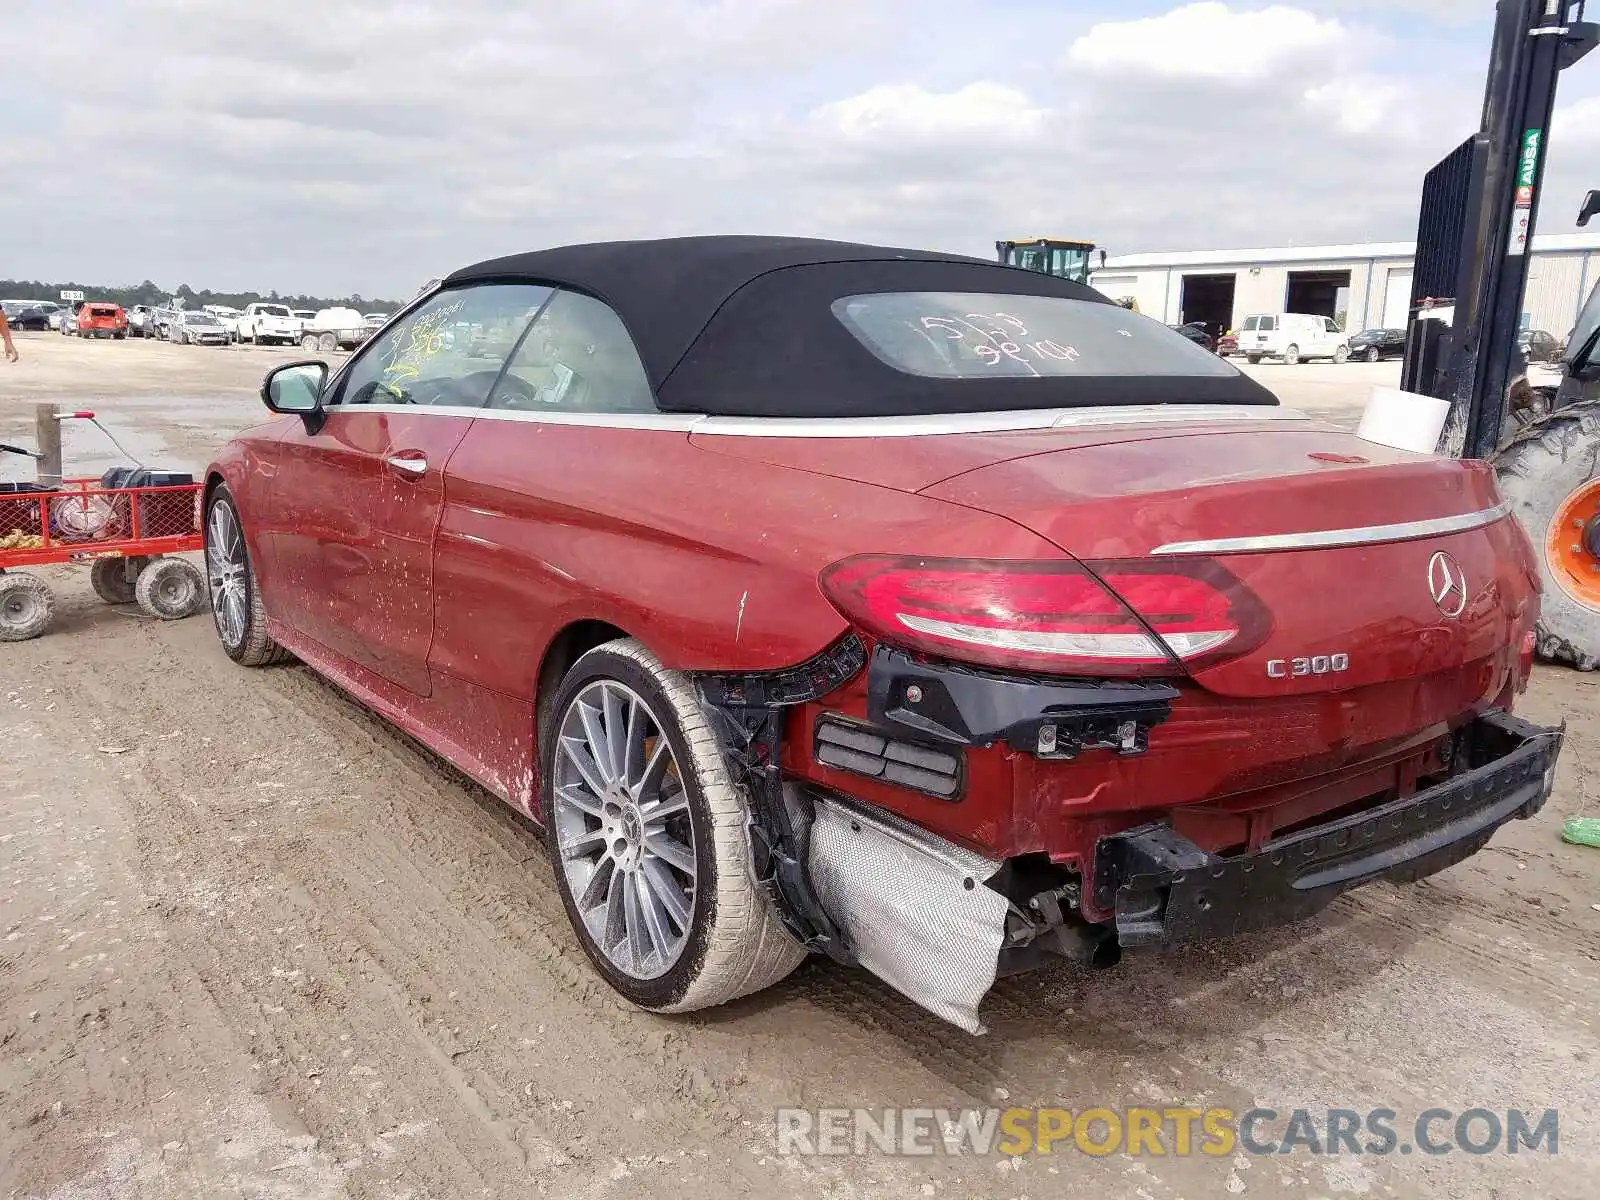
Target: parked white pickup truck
<point>264,324</point>
<point>334,329</point>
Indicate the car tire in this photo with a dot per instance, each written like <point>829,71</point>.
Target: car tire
<point>1341,355</point>
<point>170,588</point>
<point>26,606</point>
<point>1291,355</point>
<point>327,343</point>
<point>236,608</point>
<point>308,343</point>
<point>1374,355</point>
<point>110,578</point>
<point>1252,359</point>
<point>696,929</point>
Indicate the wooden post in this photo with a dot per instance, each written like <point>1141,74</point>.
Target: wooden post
<point>47,437</point>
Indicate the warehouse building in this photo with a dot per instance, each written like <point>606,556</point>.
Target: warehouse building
<point>1360,286</point>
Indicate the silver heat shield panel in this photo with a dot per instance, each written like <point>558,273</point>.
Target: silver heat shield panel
<point>913,905</point>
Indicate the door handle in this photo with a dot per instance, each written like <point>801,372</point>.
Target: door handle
<point>409,463</point>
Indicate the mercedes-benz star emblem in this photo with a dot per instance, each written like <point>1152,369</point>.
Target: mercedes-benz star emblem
<point>1447,584</point>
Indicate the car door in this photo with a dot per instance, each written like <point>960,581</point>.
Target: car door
<point>522,541</point>
<point>1332,336</point>
<point>356,501</point>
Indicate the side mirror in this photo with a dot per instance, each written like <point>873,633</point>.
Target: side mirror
<point>295,387</point>
<point>1591,208</point>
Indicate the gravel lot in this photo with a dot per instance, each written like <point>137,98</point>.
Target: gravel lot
<point>254,943</point>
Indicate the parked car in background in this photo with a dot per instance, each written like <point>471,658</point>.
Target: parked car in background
<point>161,319</point>
<point>228,316</point>
<point>1195,331</point>
<point>21,315</point>
<point>335,329</point>
<point>304,316</point>
<point>267,324</point>
<point>1228,344</point>
<point>1538,346</point>
<point>68,325</point>
<point>52,310</point>
<point>139,324</point>
<point>98,319</point>
<point>197,327</point>
<point>374,320</point>
<point>1373,345</point>
<point>1292,337</point>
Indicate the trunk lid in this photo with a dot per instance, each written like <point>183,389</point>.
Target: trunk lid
<point>1358,609</point>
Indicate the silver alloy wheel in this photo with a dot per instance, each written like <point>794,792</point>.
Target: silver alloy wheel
<point>623,829</point>
<point>225,569</point>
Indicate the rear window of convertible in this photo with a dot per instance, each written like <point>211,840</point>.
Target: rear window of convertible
<point>979,335</point>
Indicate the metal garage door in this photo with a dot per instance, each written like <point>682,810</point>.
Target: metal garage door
<point>1397,300</point>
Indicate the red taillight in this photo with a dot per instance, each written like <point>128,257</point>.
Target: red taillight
<point>1106,618</point>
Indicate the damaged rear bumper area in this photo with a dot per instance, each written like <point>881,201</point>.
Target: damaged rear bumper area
<point>1165,889</point>
<point>940,923</point>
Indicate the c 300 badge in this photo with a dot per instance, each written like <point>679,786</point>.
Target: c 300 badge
<point>1299,668</point>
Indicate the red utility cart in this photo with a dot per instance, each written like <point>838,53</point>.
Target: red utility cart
<point>126,524</point>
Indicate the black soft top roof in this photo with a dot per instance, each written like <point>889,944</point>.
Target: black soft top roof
<point>742,326</point>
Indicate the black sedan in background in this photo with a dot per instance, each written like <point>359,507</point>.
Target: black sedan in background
<point>27,316</point>
<point>1196,332</point>
<point>1373,345</point>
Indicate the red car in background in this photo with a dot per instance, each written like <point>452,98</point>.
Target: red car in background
<point>942,618</point>
<point>99,319</point>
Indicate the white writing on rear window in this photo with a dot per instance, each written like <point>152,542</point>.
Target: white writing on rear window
<point>999,337</point>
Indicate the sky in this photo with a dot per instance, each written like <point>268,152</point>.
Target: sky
<point>249,145</point>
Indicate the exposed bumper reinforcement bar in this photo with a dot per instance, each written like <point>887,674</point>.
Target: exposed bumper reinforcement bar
<point>1166,889</point>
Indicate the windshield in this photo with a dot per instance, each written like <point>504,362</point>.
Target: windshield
<point>200,318</point>
<point>972,335</point>
<point>1581,345</point>
<point>273,310</point>
<point>1065,262</point>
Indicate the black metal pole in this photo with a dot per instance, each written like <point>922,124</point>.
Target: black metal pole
<point>1520,133</point>
<point>1534,40</point>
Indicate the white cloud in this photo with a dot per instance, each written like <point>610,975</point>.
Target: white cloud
<point>1208,40</point>
<point>980,113</point>
<point>1578,121</point>
<point>249,148</point>
<point>1356,105</point>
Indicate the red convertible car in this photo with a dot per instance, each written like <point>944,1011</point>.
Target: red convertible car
<point>940,617</point>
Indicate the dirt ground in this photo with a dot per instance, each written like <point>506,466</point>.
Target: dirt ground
<point>254,943</point>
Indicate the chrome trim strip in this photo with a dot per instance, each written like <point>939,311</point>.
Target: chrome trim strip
<point>667,422</point>
<point>1323,539</point>
<point>861,427</point>
<point>987,422</point>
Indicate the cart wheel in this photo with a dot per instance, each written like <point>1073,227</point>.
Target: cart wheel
<point>26,606</point>
<point>113,578</point>
<point>171,589</point>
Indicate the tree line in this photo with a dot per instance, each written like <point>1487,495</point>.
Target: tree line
<point>150,293</point>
